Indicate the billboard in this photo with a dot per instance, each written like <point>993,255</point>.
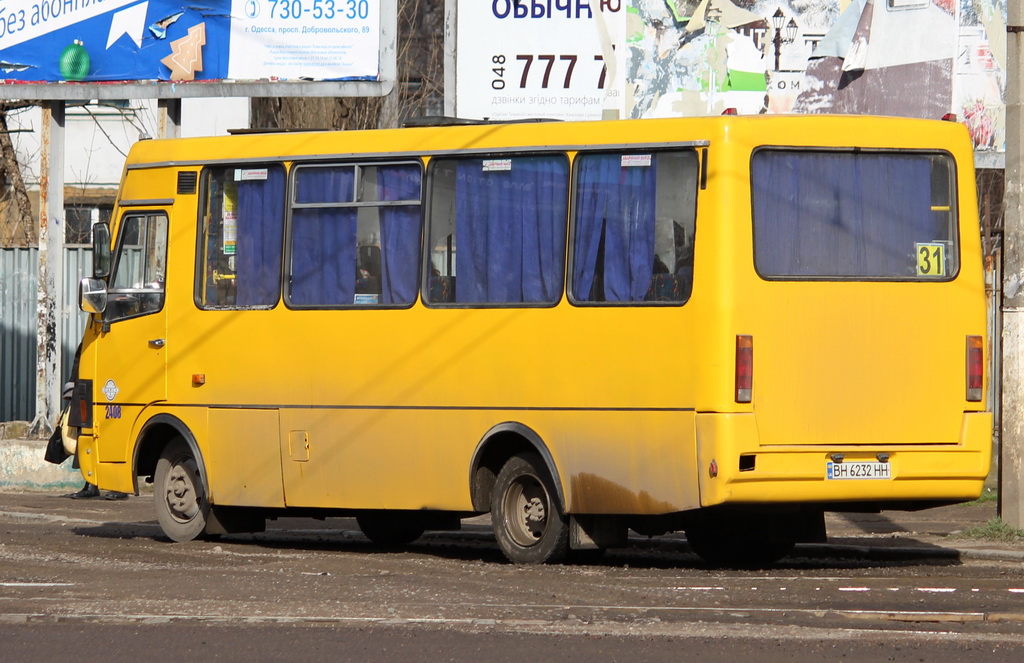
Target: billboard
<point>173,44</point>
<point>669,58</point>
<point>551,58</point>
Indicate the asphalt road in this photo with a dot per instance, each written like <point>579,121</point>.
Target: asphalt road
<point>95,580</point>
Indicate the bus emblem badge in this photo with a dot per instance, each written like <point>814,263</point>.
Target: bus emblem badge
<point>110,390</point>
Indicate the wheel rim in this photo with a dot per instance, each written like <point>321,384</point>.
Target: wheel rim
<point>526,507</point>
<point>182,494</point>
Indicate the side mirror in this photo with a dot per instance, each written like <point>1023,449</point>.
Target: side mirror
<point>100,251</point>
<point>92,295</point>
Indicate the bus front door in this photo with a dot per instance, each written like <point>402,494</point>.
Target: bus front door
<point>131,357</point>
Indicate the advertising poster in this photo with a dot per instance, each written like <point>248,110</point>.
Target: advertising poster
<point>539,58</point>
<point>979,90</point>
<point>161,40</point>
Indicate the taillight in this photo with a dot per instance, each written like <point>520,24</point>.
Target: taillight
<point>975,368</point>
<point>744,368</point>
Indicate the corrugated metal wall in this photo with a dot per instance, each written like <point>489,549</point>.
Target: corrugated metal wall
<point>18,270</point>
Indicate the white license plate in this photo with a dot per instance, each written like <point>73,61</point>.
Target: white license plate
<point>862,470</point>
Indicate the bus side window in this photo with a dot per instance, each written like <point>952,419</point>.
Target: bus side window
<point>242,219</point>
<point>137,285</point>
<point>441,277</point>
<point>635,218</point>
<point>499,223</point>
<point>442,271</point>
<point>355,235</point>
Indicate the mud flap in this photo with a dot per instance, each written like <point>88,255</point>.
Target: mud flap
<point>234,520</point>
<point>597,532</point>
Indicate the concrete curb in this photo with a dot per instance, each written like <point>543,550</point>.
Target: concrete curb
<point>22,467</point>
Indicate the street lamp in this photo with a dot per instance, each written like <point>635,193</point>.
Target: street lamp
<point>778,21</point>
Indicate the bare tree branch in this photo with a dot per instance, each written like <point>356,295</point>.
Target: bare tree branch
<point>418,89</point>
<point>17,227</point>
<point>99,126</point>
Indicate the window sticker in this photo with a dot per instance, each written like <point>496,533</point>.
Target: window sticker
<point>636,160</point>
<point>931,258</point>
<point>250,174</point>
<point>497,165</point>
<point>230,218</point>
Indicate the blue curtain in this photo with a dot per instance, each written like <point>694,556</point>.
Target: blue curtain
<point>614,207</point>
<point>323,256</point>
<point>510,230</point>
<point>325,184</point>
<point>399,233</point>
<point>842,215</point>
<point>260,217</point>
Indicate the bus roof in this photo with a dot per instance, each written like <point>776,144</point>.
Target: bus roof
<point>789,130</point>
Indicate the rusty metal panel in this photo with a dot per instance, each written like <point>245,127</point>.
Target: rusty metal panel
<point>18,293</point>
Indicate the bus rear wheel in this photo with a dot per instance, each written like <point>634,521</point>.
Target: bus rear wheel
<point>182,506</point>
<point>528,522</point>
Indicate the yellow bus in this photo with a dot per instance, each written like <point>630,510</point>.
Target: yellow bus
<point>725,326</point>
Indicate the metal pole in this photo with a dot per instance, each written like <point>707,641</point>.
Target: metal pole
<point>777,40</point>
<point>170,118</point>
<point>1011,466</point>
<point>50,296</point>
<point>450,38</point>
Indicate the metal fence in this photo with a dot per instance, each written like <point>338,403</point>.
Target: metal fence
<point>18,284</point>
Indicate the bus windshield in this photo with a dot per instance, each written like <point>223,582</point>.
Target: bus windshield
<point>854,215</point>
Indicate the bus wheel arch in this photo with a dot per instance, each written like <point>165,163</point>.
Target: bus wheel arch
<point>498,446</point>
<point>168,452</point>
<point>155,435</point>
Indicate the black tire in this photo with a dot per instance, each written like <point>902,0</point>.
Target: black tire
<point>528,521</point>
<point>390,529</point>
<point>179,493</point>
<point>742,542</point>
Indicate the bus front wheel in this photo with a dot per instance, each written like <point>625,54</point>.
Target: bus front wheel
<point>528,522</point>
<point>182,506</point>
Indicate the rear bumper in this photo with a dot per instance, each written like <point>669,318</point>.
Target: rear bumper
<point>953,471</point>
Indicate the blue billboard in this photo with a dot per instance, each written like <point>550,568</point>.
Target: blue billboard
<point>97,41</point>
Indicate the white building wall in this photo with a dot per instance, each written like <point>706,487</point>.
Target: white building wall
<point>97,138</point>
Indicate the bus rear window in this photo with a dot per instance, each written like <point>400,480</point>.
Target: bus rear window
<point>854,215</point>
